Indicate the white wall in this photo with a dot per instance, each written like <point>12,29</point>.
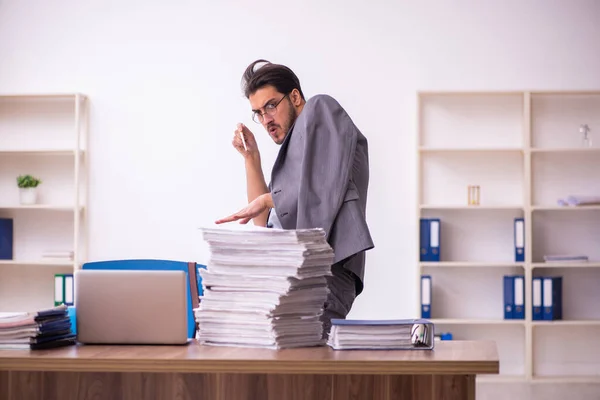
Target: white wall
<point>164,83</point>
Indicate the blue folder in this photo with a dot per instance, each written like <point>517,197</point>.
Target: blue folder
<point>429,240</point>
<point>519,297</point>
<point>552,298</point>
<point>157,265</point>
<point>509,296</point>
<point>537,293</point>
<point>519,239</point>
<point>426,296</point>
<point>6,239</point>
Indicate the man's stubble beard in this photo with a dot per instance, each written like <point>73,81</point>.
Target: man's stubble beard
<point>292,116</point>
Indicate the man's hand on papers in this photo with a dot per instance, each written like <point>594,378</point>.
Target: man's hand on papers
<point>253,209</point>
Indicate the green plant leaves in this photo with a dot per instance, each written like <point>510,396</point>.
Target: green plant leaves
<point>27,181</point>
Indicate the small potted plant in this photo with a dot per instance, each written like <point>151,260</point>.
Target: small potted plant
<point>28,189</point>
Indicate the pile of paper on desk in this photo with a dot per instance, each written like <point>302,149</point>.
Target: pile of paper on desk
<point>401,334</point>
<point>36,330</point>
<point>263,287</point>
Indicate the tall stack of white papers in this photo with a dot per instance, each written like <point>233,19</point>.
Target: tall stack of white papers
<point>263,287</point>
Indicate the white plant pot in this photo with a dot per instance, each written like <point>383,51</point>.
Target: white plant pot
<point>28,196</point>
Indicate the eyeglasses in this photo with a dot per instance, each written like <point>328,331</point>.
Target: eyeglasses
<point>270,109</point>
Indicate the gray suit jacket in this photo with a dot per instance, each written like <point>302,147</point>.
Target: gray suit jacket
<point>320,179</point>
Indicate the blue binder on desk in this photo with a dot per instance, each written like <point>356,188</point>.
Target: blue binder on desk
<point>194,288</point>
<point>6,239</point>
<point>552,298</point>
<point>429,239</point>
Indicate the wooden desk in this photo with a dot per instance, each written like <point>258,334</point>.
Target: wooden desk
<point>215,373</point>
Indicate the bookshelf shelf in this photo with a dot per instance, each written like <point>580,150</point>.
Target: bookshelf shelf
<point>456,321</point>
<point>567,265</point>
<point>501,378</point>
<point>44,135</point>
<point>42,263</point>
<point>43,96</point>
<point>567,323</point>
<point>49,207</point>
<point>41,152</point>
<point>566,150</point>
<point>471,208</point>
<point>525,151</point>
<point>469,264</point>
<point>566,379</point>
<point>467,150</point>
<point>566,208</point>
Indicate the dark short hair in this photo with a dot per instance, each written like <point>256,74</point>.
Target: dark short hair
<point>263,73</point>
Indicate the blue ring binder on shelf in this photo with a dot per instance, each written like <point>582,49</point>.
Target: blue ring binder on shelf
<point>194,288</point>
<point>6,238</point>
<point>429,241</point>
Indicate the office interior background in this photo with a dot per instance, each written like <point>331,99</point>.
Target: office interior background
<point>162,82</point>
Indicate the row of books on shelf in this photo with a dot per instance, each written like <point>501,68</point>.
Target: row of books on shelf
<point>430,233</point>
<point>546,297</point>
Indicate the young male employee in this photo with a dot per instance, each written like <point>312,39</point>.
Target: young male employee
<point>320,178</point>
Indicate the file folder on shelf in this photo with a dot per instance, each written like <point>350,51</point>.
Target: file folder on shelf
<point>430,239</point>
<point>69,286</point>
<point>64,289</point>
<point>519,239</point>
<point>514,296</point>
<point>509,296</point>
<point>426,296</point>
<point>6,239</point>
<point>59,289</point>
<point>552,298</point>
<point>519,299</point>
<point>537,313</point>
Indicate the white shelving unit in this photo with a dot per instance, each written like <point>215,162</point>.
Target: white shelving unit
<point>44,135</point>
<point>524,151</point>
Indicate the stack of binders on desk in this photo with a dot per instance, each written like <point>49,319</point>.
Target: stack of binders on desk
<point>263,287</point>
<point>404,334</point>
<point>42,329</point>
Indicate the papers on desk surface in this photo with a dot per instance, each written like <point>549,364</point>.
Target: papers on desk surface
<point>403,334</point>
<point>263,287</point>
<point>41,329</point>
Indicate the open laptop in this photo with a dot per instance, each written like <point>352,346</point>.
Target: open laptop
<point>131,307</point>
